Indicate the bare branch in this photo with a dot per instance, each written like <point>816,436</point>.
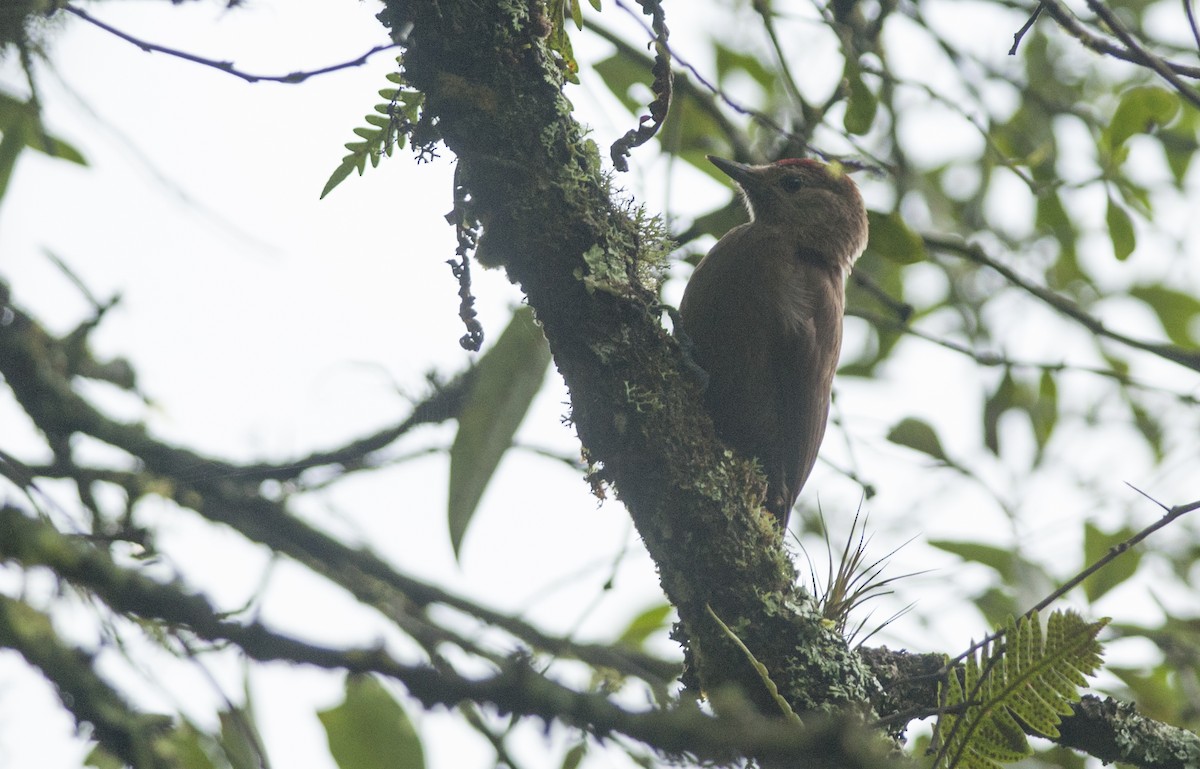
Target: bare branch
<point>975,253</point>
<point>993,359</point>
<point>1100,44</point>
<point>1146,57</point>
<point>1191,17</point>
<point>1028,25</point>
<point>227,67</point>
<point>511,685</point>
<point>1173,514</point>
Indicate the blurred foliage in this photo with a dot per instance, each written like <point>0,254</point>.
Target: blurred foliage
<point>370,730</point>
<point>504,383</point>
<point>21,128</point>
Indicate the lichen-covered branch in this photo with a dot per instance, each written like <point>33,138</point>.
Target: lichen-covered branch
<point>513,686</point>
<point>126,732</point>
<point>493,93</point>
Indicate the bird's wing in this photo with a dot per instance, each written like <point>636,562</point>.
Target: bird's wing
<point>804,360</point>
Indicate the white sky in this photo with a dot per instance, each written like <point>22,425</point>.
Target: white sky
<point>264,323</point>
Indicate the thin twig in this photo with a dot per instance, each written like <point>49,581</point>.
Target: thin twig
<point>995,359</point>
<point>225,66</point>
<point>1172,514</point>
<point>765,13</point>
<point>1153,61</point>
<point>1191,17</point>
<point>1028,25</point>
<point>975,253</point>
<point>1100,44</point>
<point>954,105</point>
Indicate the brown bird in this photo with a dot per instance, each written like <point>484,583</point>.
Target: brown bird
<point>763,311</point>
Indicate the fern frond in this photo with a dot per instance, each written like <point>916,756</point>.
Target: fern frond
<point>387,128</point>
<point>1024,682</point>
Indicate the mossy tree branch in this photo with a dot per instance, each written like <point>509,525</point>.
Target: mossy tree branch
<point>493,95</point>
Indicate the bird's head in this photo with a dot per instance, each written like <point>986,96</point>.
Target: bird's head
<point>815,204</point>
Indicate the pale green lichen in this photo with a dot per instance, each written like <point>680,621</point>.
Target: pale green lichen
<point>605,272</point>
<point>641,398</point>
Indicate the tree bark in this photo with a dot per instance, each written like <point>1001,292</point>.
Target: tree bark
<point>494,97</point>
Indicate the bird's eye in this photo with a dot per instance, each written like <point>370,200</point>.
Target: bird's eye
<point>791,183</point>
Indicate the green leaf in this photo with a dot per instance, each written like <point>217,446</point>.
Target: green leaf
<point>1000,401</point>
<point>370,729</point>
<point>1136,196</point>
<point>1039,404</point>
<point>919,435</point>
<point>887,277</point>
<point>10,148</point>
<point>1141,110</point>
<point>861,104</point>
<point>559,41</point>
<point>1149,425</point>
<point>22,118</point>
<point>892,239</point>
<point>721,220</point>
<point>54,147</point>
<point>100,758</point>
<point>729,61</point>
<point>1052,217</point>
<point>997,604</point>
<point>688,133</point>
<point>645,624</point>
<point>1027,137</point>
<point>187,748</point>
<point>1003,560</point>
<point>620,73</point>
<point>239,739</point>
<point>1043,413</point>
<point>1176,311</point>
<point>575,755</point>
<point>1120,230</point>
<point>1179,144</point>
<point>1096,543</point>
<point>506,380</point>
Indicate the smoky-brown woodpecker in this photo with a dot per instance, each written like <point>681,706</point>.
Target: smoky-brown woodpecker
<point>763,311</point>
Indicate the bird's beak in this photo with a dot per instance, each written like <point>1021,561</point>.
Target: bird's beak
<point>739,172</point>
